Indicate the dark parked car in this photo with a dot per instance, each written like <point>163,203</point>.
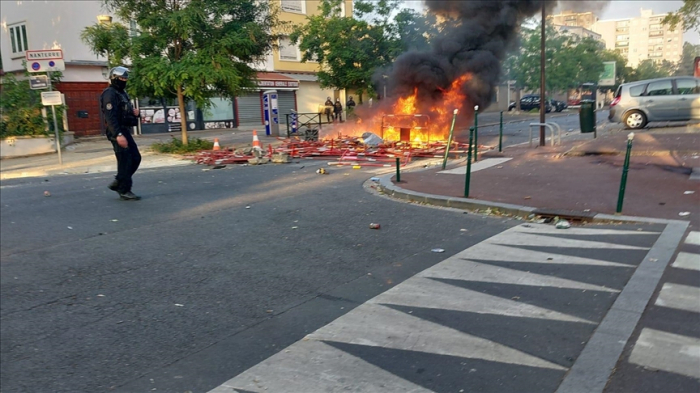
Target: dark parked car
<point>559,105</point>
<point>530,102</point>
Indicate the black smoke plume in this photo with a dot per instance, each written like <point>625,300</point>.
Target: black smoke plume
<point>475,42</point>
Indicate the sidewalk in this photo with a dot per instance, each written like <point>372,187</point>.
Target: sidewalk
<point>95,154</point>
<point>580,178</point>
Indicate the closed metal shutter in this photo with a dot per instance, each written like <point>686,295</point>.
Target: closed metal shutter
<point>285,104</point>
<point>249,109</point>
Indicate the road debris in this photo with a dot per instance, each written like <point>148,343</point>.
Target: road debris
<point>437,250</point>
<point>47,194</point>
<point>563,224</point>
<point>684,214</point>
<point>374,226</point>
<point>689,192</point>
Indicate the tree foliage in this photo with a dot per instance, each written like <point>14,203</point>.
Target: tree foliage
<point>688,15</point>
<point>649,69</point>
<point>109,40</point>
<point>20,110</point>
<point>686,66</point>
<point>189,49</point>
<point>351,50</point>
<point>569,60</point>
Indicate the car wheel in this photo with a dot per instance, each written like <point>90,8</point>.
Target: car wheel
<point>635,120</point>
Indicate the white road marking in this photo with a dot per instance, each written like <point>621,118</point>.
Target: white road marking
<point>686,260</point>
<point>477,166</point>
<point>494,252</point>
<point>550,229</point>
<point>427,293</point>
<point>311,367</point>
<point>529,239</point>
<point>460,269</point>
<point>680,297</point>
<point>380,326</point>
<point>668,352</point>
<point>693,238</point>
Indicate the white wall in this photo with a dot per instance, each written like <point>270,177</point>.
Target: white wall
<point>52,24</point>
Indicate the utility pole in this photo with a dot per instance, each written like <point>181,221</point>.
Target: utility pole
<point>542,89</point>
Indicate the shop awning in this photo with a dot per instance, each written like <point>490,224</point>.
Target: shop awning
<point>273,80</point>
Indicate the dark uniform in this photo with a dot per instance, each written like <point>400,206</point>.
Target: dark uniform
<point>119,119</point>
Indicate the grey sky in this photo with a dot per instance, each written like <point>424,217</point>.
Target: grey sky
<point>615,9</point>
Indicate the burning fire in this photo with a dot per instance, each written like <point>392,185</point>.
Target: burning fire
<point>403,120</point>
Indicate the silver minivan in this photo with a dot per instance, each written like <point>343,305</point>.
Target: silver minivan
<point>663,99</point>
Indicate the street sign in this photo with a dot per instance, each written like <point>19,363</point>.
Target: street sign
<point>607,78</point>
<point>45,60</point>
<point>49,98</point>
<point>38,82</point>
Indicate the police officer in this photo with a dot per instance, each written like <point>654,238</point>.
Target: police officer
<point>119,117</point>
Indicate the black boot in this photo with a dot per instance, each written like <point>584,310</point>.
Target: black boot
<point>114,185</point>
<point>129,196</point>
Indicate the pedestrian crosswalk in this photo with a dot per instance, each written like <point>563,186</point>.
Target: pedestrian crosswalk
<point>510,314</point>
<point>666,351</point>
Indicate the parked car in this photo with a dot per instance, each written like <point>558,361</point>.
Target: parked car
<point>559,105</point>
<point>663,99</point>
<point>530,102</point>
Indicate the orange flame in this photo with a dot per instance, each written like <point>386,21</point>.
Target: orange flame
<point>405,114</point>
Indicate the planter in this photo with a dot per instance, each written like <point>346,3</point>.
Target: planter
<point>21,146</point>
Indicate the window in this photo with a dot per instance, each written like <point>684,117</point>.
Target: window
<point>296,6</point>
<point>636,91</point>
<point>18,38</point>
<point>133,29</point>
<point>288,51</point>
<point>660,88</point>
<point>687,86</point>
<point>623,37</point>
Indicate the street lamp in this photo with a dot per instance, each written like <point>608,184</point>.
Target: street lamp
<point>385,78</point>
<point>542,84</point>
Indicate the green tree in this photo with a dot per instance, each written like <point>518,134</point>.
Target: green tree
<point>688,15</point>
<point>20,110</point>
<point>191,49</point>
<point>622,71</point>
<point>350,50</point>
<point>109,40</point>
<point>569,60</point>
<point>686,66</point>
<point>649,69</point>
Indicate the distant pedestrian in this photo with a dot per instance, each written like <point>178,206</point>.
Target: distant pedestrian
<point>119,117</point>
<point>328,109</point>
<point>338,110</point>
<point>350,104</point>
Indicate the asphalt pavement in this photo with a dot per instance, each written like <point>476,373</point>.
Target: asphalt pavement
<point>266,278</point>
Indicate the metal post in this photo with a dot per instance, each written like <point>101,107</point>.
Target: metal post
<point>55,124</point>
<point>449,139</point>
<point>398,170</point>
<point>469,163</point>
<point>542,82</point>
<point>625,168</point>
<point>500,135</point>
<point>476,133</point>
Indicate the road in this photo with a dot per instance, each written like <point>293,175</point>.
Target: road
<point>266,278</point>
<point>189,287</point>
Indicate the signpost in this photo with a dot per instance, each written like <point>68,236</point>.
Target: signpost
<point>38,82</point>
<point>48,61</point>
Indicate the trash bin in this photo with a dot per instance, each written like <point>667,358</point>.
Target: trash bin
<point>586,114</point>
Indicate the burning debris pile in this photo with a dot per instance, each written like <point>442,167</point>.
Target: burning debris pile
<point>460,71</point>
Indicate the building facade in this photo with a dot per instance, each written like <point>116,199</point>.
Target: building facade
<point>637,39</point>
<point>36,25</point>
<point>641,38</point>
<point>579,31</point>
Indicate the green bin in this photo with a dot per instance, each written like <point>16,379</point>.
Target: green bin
<point>586,114</point>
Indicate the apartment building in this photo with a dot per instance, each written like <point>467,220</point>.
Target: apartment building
<point>638,39</point>
<point>570,18</point>
<point>579,31</point>
<point>35,25</point>
<point>641,38</point>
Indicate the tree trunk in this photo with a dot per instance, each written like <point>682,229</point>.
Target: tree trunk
<point>517,99</point>
<point>183,113</point>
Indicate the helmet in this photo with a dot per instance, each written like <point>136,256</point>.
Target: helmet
<point>118,72</point>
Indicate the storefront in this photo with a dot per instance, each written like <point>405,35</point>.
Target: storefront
<point>159,115</point>
<point>249,109</point>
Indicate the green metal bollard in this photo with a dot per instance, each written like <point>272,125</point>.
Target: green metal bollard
<point>476,133</point>
<point>500,135</point>
<point>625,169</point>
<point>449,140</point>
<point>398,170</point>
<point>469,163</point>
